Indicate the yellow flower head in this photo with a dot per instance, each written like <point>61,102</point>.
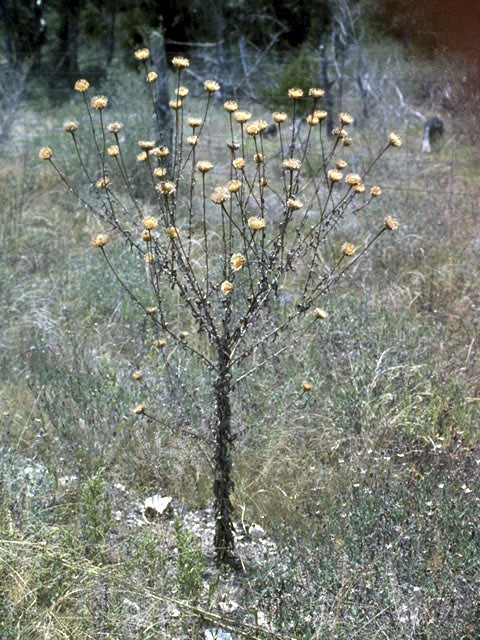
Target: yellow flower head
<point>102,183</point>
<point>219,195</point>
<point>312,120</point>
<point>340,164</point>
<point>347,141</point>
<point>99,102</point>
<point>242,116</point>
<point>258,158</point>
<point>230,106</point>
<point>172,232</point>
<point>146,145</point>
<point>211,86</point>
<point>45,153</point>
<point>180,62</point>
<point>165,188</point>
<point>149,222</point>
<point>345,118</point>
<point>142,156</point>
<point>291,164</point>
<point>348,249</point>
<point>314,92</point>
<point>390,223</point>
<point>320,114</point>
<point>142,54</point>
<point>151,310</point>
<point>279,116</point>
<point>160,343</point>
<point>159,172</point>
<point>114,127</point>
<point>307,386</point>
<point>204,166</point>
<point>237,261</point>
<point>137,375</point>
<point>194,122</point>
<point>175,104</point>
<point>226,288</point>
<point>359,188</point>
<point>149,257</point>
<point>182,92</point>
<point>100,240</point>
<point>234,185</point>
<point>334,175</point>
<point>146,235</point>
<point>163,151</point>
<point>70,126</point>
<point>252,129</point>
<point>183,335</point>
<point>151,76</point>
<point>81,85</point>
<point>375,192</point>
<point>255,223</point>
<point>320,313</point>
<point>140,408</point>
<point>113,150</point>
<point>239,163</point>
<point>192,140</point>
<point>352,179</point>
<point>394,140</point>
<point>295,93</point>
<point>294,204</point>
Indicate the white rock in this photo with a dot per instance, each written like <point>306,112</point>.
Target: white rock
<point>217,634</point>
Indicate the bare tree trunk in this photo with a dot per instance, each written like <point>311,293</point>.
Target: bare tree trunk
<point>163,115</point>
<point>223,484</point>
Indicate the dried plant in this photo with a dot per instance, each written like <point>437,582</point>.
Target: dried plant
<point>229,238</point>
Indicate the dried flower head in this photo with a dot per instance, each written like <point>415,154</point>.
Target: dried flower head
<point>394,140</point>
<point>99,102</point>
<point>140,408</point>
<point>315,92</point>
<point>194,122</point>
<point>279,116</point>
<point>146,235</point>
<point>334,175</point>
<point>137,375</point>
<point>204,166</point>
<point>359,188</point>
<point>261,124</point>
<point>294,204</point>
<point>234,185</point>
<point>390,223</point>
<point>345,118</point>
<point>211,86</point>
<point>160,343</point>
<point>149,222</point>
<point>159,172</point>
<point>175,104</point>
<point>258,158</point>
<point>230,106</point>
<point>348,249</point>
<point>151,76</point>
<point>114,127</point>
<point>103,182</point>
<point>172,232</point>
<point>320,313</point>
<point>339,132</point>
<point>255,223</point>
<point>252,129</point>
<point>70,126</point>
<point>165,188</point>
<point>239,163</point>
<point>291,164</point>
<point>182,92</point>
<point>219,195</point>
<point>307,386</point>
<point>295,93</point>
<point>321,114</point>
<point>142,54</point>
<point>312,120</point>
<point>226,288</point>
<point>149,257</point>
<point>146,144</point>
<point>113,150</point>
<point>163,151</point>
<point>341,164</point>
<point>347,141</point>
<point>142,156</point>
<point>180,62</point>
<point>45,153</point>
<point>192,140</point>
<point>151,310</point>
<point>100,240</point>
<point>183,335</point>
<point>353,178</point>
<point>81,85</point>
<point>237,261</point>
<point>242,116</point>
<point>375,192</point>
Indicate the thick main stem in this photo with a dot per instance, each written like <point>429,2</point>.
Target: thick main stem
<point>223,484</point>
